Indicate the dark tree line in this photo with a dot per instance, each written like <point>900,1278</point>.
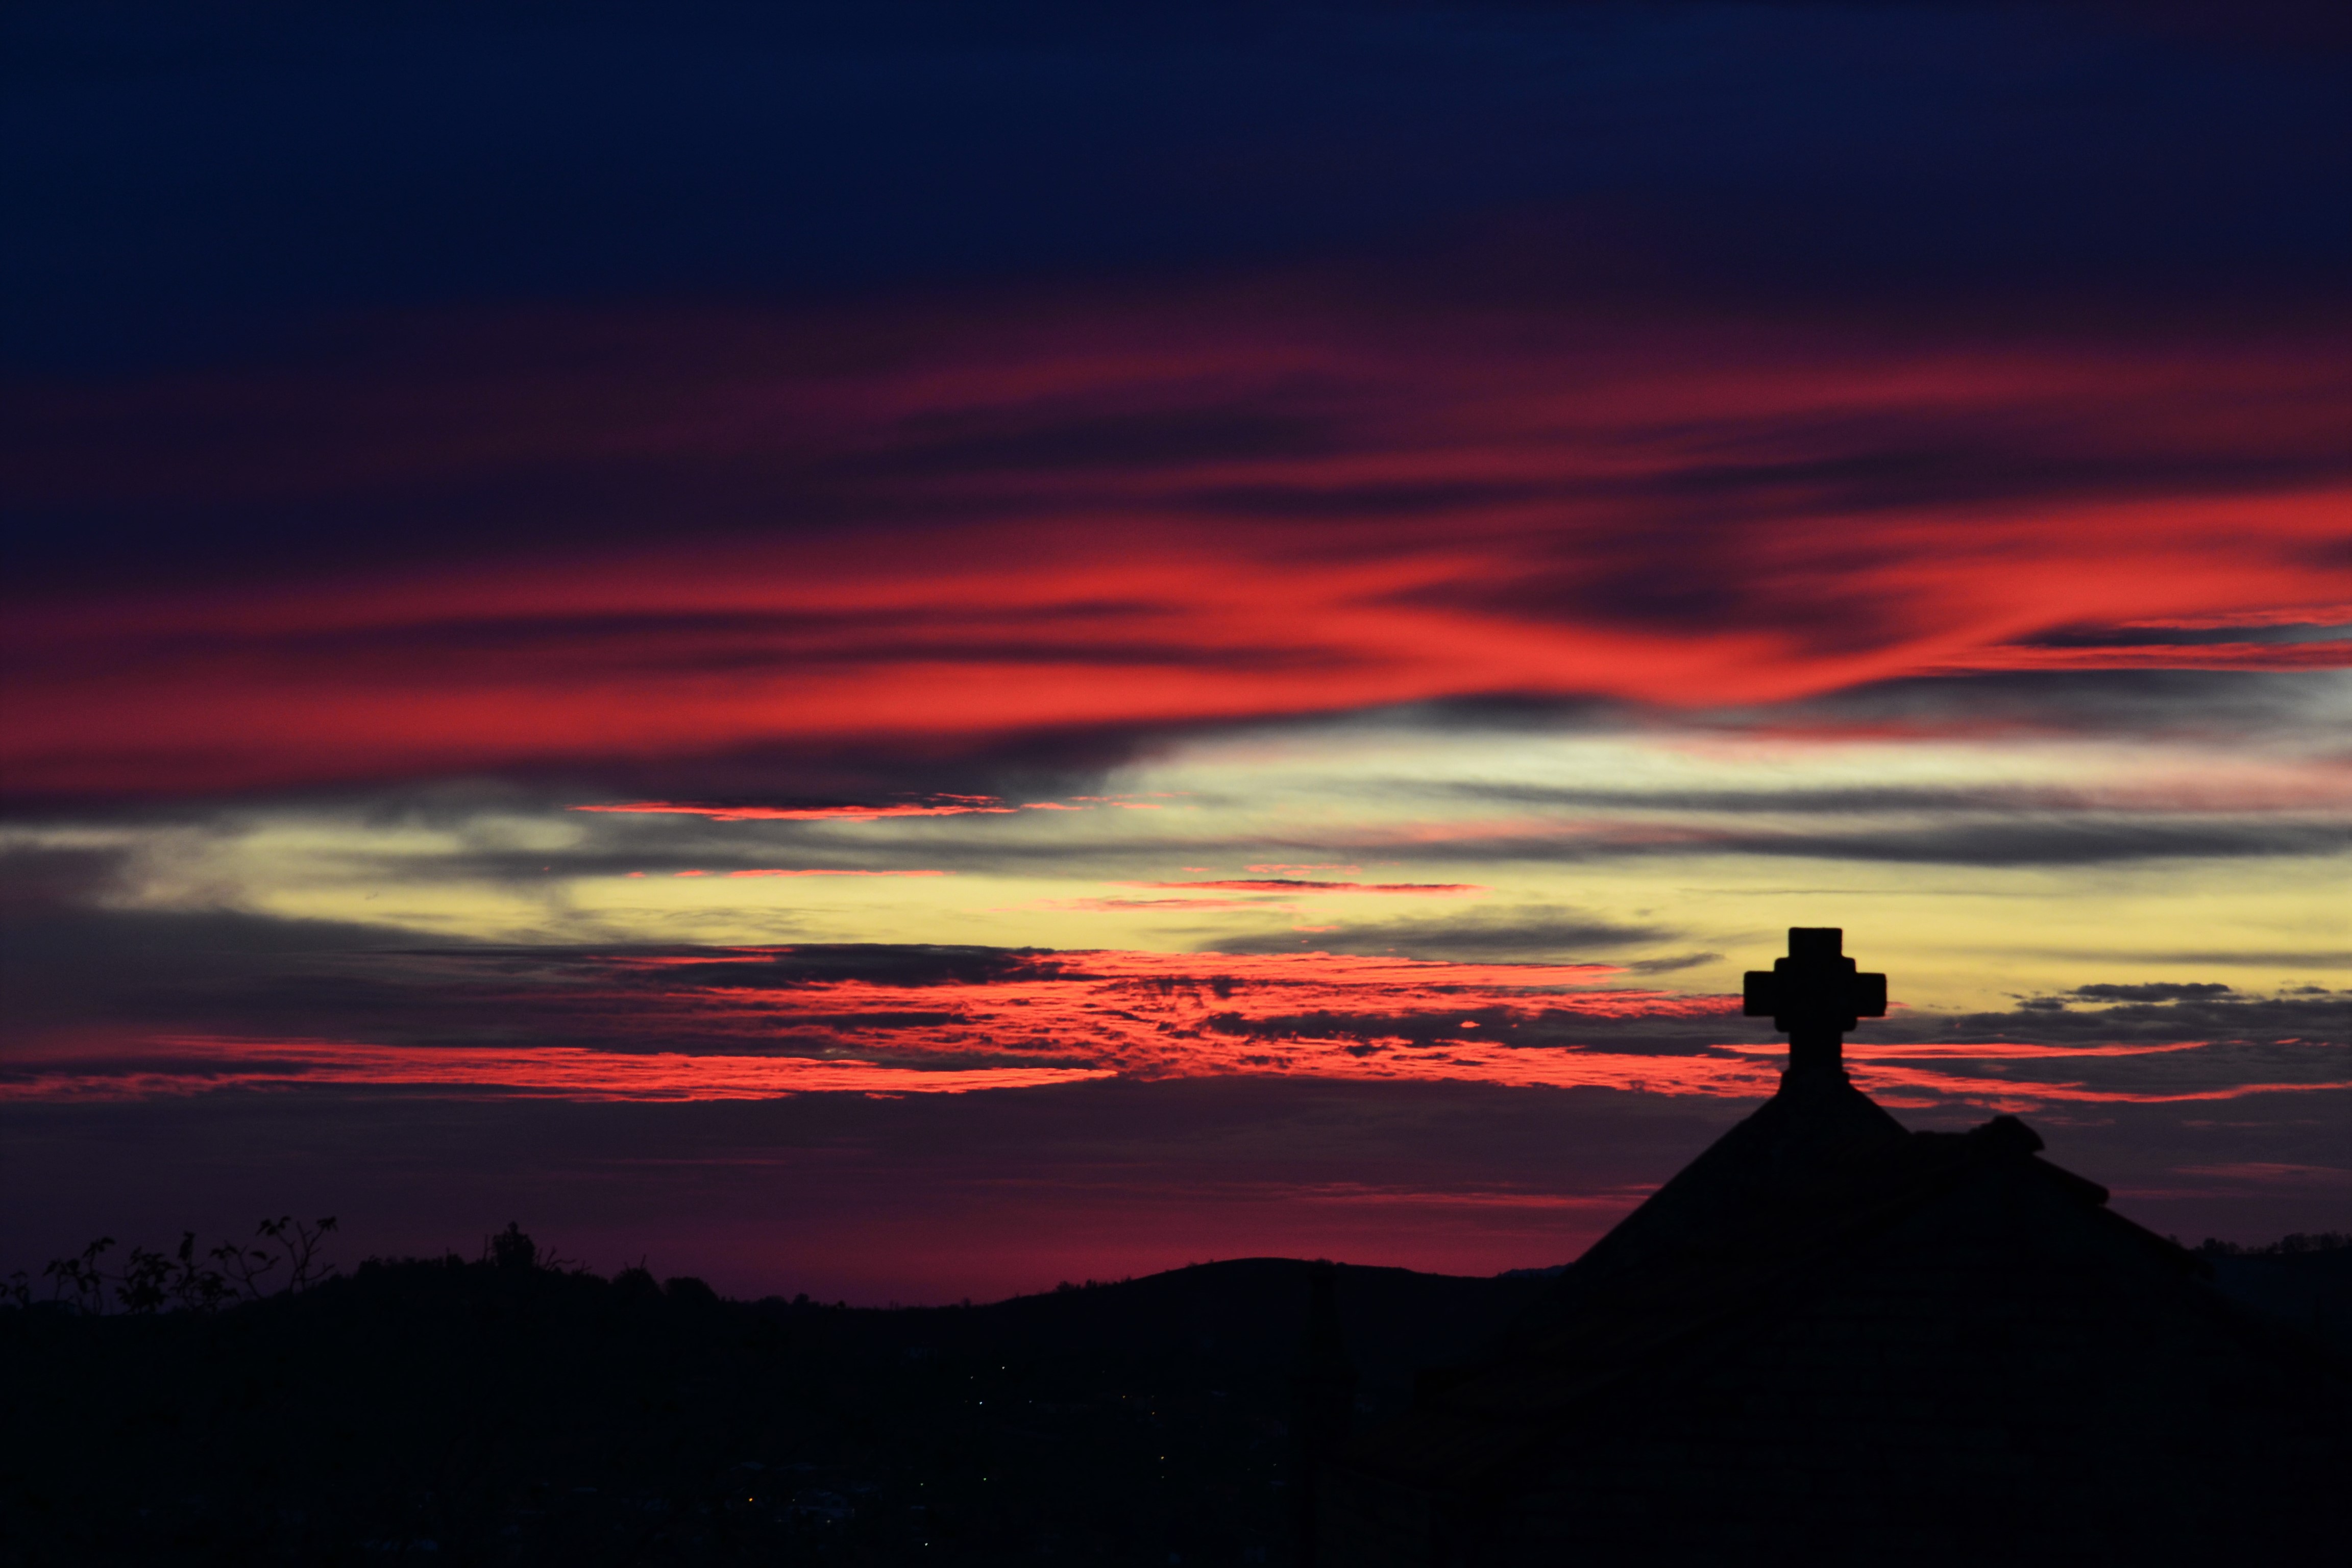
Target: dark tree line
<point>2291,1246</point>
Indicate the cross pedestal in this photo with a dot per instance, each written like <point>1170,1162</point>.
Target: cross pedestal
<point>1815,996</point>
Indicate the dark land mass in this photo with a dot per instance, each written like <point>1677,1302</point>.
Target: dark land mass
<point>452,1411</point>
<point>455,1412</point>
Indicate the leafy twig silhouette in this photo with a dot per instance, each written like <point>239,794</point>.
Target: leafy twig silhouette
<point>296,1246</point>
<point>301,1243</point>
<point>143,1285</point>
<point>152,1281</point>
<point>80,1280</point>
<point>192,1287</point>
<point>245,1265</point>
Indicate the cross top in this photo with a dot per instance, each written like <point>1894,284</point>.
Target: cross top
<point>1815,996</point>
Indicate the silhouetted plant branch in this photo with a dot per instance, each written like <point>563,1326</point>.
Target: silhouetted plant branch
<point>301,1243</point>
<point>78,1280</point>
<point>152,1281</point>
<point>244,1266</point>
<point>193,1288</point>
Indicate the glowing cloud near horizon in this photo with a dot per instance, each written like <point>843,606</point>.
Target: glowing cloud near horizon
<point>181,1065</point>
<point>759,1022</point>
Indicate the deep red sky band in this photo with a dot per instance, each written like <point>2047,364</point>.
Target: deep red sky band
<point>1434,518</point>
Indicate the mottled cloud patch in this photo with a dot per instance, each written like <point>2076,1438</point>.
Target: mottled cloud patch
<point>1670,964</point>
<point>1516,933</point>
<point>2193,1042</point>
<point>2150,991</point>
<point>701,1022</point>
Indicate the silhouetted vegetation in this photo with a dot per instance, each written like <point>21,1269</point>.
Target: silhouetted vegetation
<point>181,1280</point>
<point>2304,1279</point>
<point>2285,1246</point>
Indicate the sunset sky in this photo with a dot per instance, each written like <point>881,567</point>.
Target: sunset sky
<point>910,651</point>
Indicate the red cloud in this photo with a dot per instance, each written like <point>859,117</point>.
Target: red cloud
<point>187,1065</point>
<point>1682,516</point>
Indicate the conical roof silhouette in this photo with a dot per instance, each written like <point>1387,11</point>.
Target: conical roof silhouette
<point>1831,1340</point>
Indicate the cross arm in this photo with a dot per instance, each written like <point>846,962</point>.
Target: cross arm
<point>1817,987</point>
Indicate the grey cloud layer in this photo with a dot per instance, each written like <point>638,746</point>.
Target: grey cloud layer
<point>1538,934</point>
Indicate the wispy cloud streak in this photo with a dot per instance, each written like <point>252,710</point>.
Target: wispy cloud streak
<point>172,1065</point>
<point>1138,514</point>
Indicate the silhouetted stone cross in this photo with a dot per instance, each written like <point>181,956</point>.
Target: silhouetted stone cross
<point>1815,996</point>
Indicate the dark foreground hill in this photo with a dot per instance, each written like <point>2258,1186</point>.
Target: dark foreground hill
<point>447,1411</point>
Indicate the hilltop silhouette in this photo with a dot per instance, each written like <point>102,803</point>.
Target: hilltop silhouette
<point>504,1411</point>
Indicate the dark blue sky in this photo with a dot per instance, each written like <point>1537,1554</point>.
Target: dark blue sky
<point>199,182</point>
